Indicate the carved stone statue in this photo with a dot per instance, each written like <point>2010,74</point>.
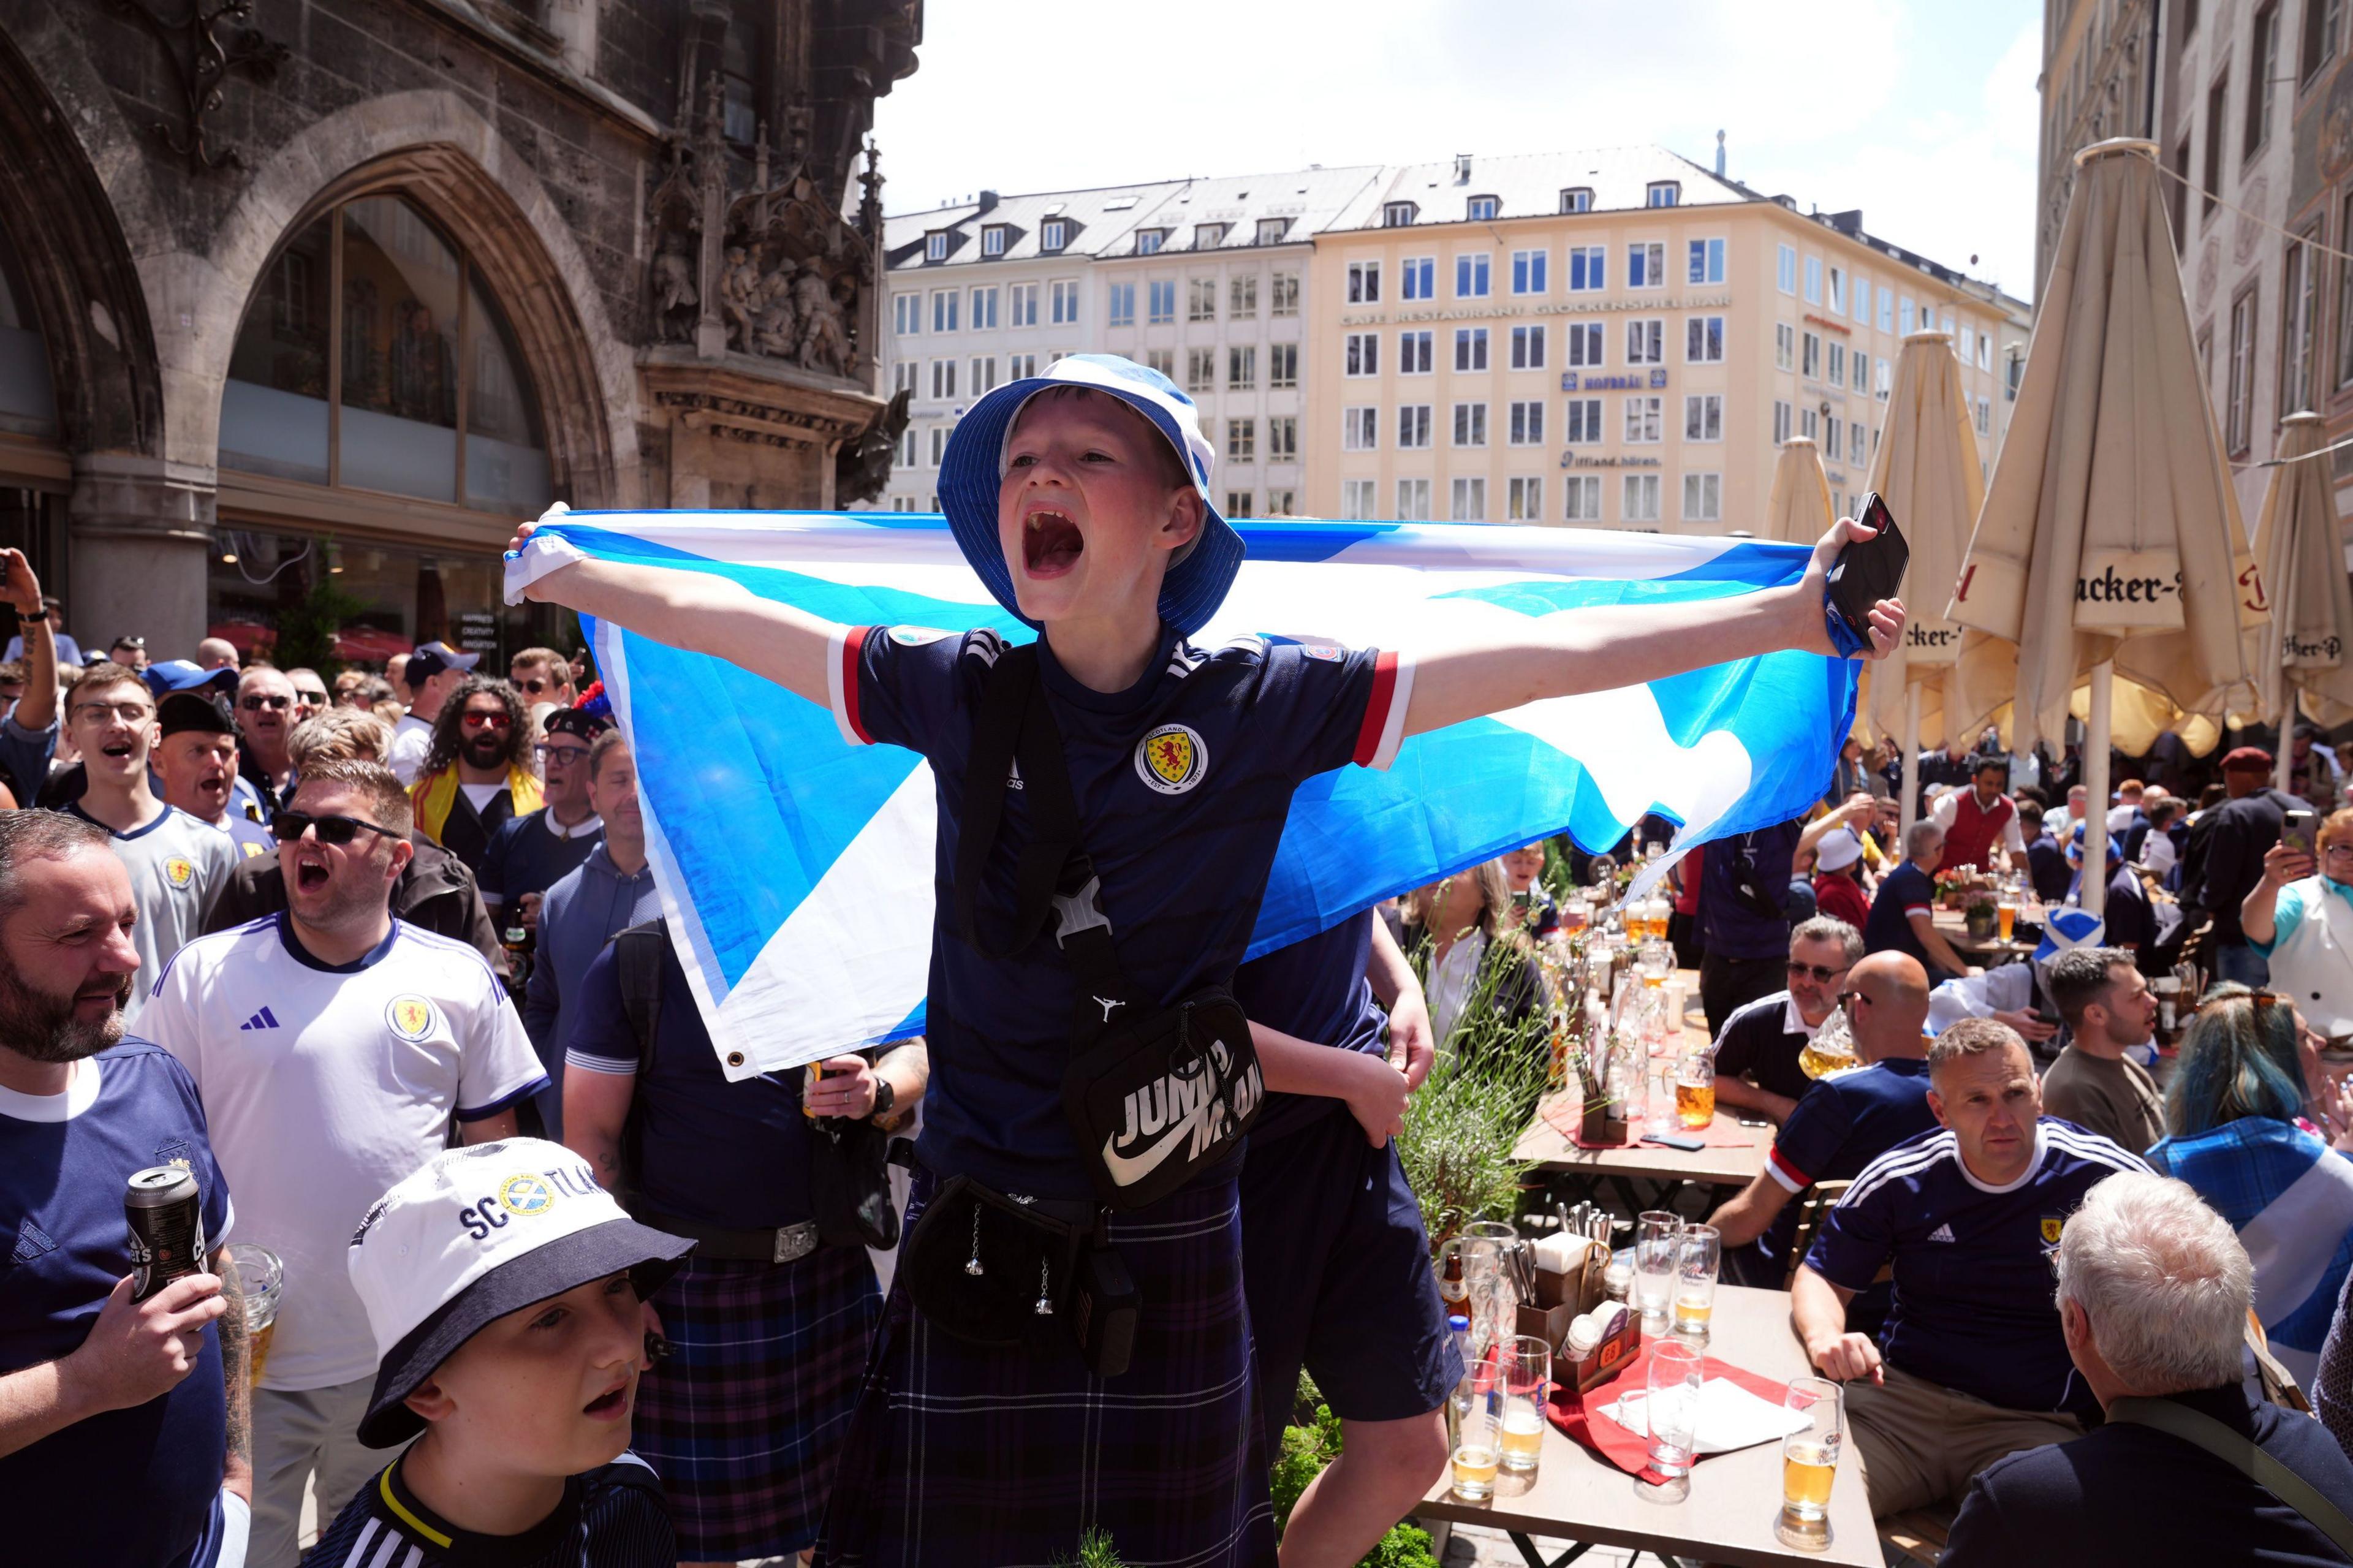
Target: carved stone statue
<point>862,468</point>
<point>824,344</point>
<point>777,327</point>
<point>676,302</point>
<point>739,297</point>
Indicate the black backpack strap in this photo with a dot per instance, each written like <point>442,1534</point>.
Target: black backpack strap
<point>637,954</point>
<point>2195,1426</point>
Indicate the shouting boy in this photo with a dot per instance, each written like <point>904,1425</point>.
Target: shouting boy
<point>1082,500</point>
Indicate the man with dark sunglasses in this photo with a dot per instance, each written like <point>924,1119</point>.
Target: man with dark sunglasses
<point>1758,1049</point>
<point>265,715</point>
<point>542,676</point>
<point>478,776</point>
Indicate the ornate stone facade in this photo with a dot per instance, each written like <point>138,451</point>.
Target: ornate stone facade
<point>659,221</point>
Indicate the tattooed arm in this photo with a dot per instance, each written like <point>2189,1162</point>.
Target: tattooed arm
<point>237,1369</point>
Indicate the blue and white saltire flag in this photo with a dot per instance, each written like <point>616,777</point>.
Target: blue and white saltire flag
<point>797,868</point>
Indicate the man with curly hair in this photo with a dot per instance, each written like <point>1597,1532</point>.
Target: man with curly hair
<point>476,774</point>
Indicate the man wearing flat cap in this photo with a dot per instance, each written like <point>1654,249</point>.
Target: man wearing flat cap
<point>2246,824</point>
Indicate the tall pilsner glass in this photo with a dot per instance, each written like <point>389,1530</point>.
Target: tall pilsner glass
<point>1810,1457</point>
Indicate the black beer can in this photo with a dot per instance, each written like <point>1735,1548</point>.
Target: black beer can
<point>165,1211</point>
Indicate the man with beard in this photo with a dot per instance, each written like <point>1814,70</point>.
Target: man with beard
<point>267,705</point>
<point>123,1425</point>
<point>177,864</point>
<point>426,678</point>
<point>478,776</point>
<point>333,1046</point>
<point>196,759</point>
<point>532,852</point>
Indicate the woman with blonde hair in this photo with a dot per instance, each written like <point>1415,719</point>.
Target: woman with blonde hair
<point>1468,920</point>
<point>2300,918</point>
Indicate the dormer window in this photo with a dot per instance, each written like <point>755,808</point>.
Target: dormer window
<point>1149,240</point>
<point>1398,214</point>
<point>1479,209</point>
<point>1577,199</point>
<point>1663,193</point>
<point>1053,234</point>
<point>992,240</point>
<point>1271,230</point>
<point>1208,235</point>
<point>936,246</point>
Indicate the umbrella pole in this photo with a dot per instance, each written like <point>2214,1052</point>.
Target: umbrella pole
<point>1908,809</point>
<point>2284,751</point>
<point>2095,788</point>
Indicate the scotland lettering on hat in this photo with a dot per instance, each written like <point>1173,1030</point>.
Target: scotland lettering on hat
<point>973,467</point>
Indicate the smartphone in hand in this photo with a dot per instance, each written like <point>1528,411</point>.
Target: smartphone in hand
<point>1869,570</point>
<point>2300,832</point>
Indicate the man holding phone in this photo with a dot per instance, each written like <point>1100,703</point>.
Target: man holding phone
<point>2246,826</point>
<point>2299,917</point>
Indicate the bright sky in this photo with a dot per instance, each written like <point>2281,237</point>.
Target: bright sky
<point>1921,113</point>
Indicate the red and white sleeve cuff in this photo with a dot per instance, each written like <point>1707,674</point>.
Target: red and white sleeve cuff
<point>1782,1171</point>
<point>843,651</point>
<point>1384,728</point>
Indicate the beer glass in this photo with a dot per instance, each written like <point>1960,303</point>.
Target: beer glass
<point>2007,914</point>
<point>1699,1254</point>
<point>1526,1367</point>
<point>1671,1412</point>
<point>262,1277</point>
<point>1696,1092</point>
<point>1809,1458</point>
<point>1474,1426</point>
<point>1654,1268</point>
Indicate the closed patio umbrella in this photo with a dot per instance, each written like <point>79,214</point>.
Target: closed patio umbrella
<point>1798,510</point>
<point>2110,543</point>
<point>2302,648</point>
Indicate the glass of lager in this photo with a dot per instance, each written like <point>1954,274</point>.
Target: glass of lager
<point>1699,1254</point>
<point>1696,1092</point>
<point>262,1277</point>
<point>1810,1456</point>
<point>1654,1268</point>
<point>1527,1363</point>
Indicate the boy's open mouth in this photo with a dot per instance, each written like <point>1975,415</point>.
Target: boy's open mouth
<point>1051,543</point>
<point>608,1405</point>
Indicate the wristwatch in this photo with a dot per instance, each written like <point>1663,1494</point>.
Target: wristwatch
<point>885,1096</point>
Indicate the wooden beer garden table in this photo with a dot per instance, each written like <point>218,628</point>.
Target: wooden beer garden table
<point>1579,1497</point>
<point>1987,951</point>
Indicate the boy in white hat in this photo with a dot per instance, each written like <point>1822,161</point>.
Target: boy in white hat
<point>506,1291</point>
<point>1081,499</point>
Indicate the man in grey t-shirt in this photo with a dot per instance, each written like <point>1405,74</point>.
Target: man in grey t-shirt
<point>2108,1007</point>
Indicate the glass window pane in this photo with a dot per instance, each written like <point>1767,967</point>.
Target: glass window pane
<point>274,406</point>
<point>400,352</point>
<point>26,402</point>
<point>506,463</point>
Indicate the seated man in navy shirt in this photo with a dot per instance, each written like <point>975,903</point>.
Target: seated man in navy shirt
<point>1971,1364</point>
<point>1841,1125</point>
<point>125,1438</point>
<point>2046,862</point>
<point>2154,1290</point>
<point>1903,915</point>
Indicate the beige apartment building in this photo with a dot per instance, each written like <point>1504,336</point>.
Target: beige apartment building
<point>1616,338</point>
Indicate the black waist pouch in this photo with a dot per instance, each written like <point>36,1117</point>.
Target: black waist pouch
<point>997,1270</point>
<point>1160,1098</point>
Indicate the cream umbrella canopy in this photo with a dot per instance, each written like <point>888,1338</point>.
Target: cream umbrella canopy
<point>1799,510</point>
<point>2302,648</point>
<point>1927,472</point>
<point>2111,496</point>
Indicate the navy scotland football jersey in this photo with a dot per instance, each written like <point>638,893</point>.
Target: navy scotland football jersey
<point>611,1517</point>
<point>1316,991</point>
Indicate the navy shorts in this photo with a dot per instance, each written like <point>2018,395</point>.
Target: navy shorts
<point>1336,1265</point>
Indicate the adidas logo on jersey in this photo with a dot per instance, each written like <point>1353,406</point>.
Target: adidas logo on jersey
<point>1942,1233</point>
<point>265,1019</point>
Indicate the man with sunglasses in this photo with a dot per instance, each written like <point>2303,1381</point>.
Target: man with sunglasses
<point>178,865</point>
<point>266,713</point>
<point>333,1046</point>
<point>310,693</point>
<point>542,676</point>
<point>534,851</point>
<point>478,776</point>
<point>1757,1050</point>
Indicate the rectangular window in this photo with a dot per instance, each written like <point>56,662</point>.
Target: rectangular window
<point>1837,363</point>
<point>1241,368</point>
<point>1985,351</point>
<point>1360,429</point>
<point>1985,416</point>
<point>1810,362</point>
<point>1707,261</point>
<point>1364,282</point>
<point>1148,241</point>
<point>1021,367</point>
<point>1882,374</point>
<point>1241,440</point>
<point>1639,501</point>
<point>1643,420</point>
<point>1646,341</point>
<point>1785,269</point>
<point>1862,382</point>
<point>1413,354</point>
<point>1781,413</point>
<point>1283,438</point>
<point>1413,425</point>
<point>939,448</point>
<point>1364,353</point>
<point>1241,298</point>
<point>1785,346</point>
<point>2323,20</point>
<point>1064,296</point>
<point>1470,424</point>
<point>1833,431</point>
<point>1053,234</point>
<point>943,309</point>
<point>1527,423</point>
<point>992,240</point>
<point>983,309</point>
<point>1470,275</point>
<point>1161,293</point>
<point>1904,314</point>
<point>1281,365</point>
<point>1862,302</point>
<point>907,448</point>
<point>935,246</point>
<point>1470,348</point>
<point>1357,498</point>
<point>1584,498</point>
<point>1200,370</point>
<point>1469,500</point>
<point>2262,65</point>
<point>1420,277</point>
<point>1703,416</point>
<point>2345,304</point>
<point>1702,497</point>
<point>1283,503</point>
<point>984,373</point>
<point>2300,300</point>
<point>944,378</point>
<point>1208,235</point>
<point>1813,279</point>
<point>1398,214</point>
<point>1589,268</point>
<point>1837,291</point>
<point>1703,340</point>
<point>1200,299</point>
<point>1967,345</point>
<point>1854,441</point>
<point>1119,305</point>
<point>1529,272</point>
<point>1585,422</point>
<point>1663,193</point>
<point>1646,265</point>
<point>1238,504</point>
<point>1413,500</point>
<point>1162,360</point>
<point>1271,230</point>
<point>1282,294</point>
<point>905,375</point>
<point>906,313</point>
<point>1527,348</point>
<point>1886,309</point>
<point>2238,401</point>
<point>1584,349</point>
<point>1577,199</point>
<point>1023,300</point>
<point>1526,500</point>
<point>1810,424</point>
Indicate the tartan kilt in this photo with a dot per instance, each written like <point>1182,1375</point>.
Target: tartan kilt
<point>744,1420</point>
<point>963,1457</point>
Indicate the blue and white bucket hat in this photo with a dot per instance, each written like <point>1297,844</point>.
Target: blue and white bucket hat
<point>973,467</point>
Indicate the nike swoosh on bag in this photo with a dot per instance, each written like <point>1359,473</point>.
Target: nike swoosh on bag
<point>1129,1169</point>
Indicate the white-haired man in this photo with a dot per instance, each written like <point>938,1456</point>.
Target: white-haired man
<point>2154,1288</point>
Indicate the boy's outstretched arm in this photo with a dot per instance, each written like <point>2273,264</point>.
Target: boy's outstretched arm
<point>1624,644</point>
<point>699,612</point>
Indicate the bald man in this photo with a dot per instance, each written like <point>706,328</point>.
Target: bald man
<point>1841,1125</point>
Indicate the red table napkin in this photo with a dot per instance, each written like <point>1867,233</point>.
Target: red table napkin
<point>1582,1417</point>
<point>1562,1114</point>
